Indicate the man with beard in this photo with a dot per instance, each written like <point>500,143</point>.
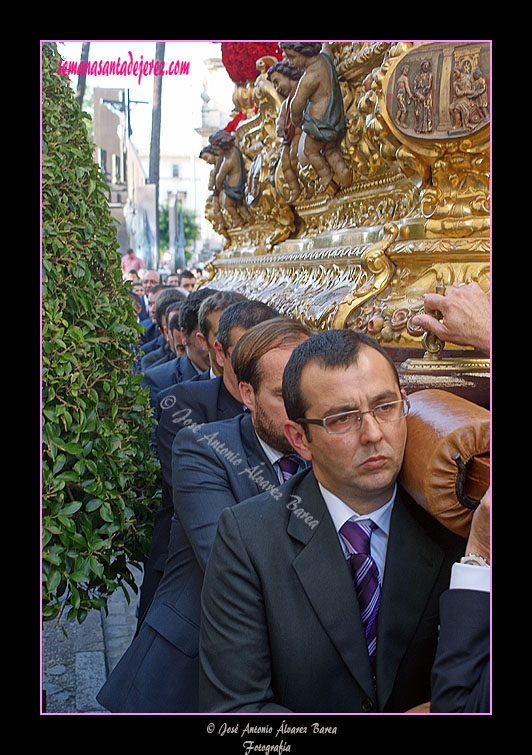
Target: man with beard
<point>214,465</point>
<point>322,596</point>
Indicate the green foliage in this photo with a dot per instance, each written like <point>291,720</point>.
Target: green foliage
<point>164,227</point>
<point>191,228</point>
<point>100,479</point>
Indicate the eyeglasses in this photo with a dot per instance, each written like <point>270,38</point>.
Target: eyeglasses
<point>346,422</point>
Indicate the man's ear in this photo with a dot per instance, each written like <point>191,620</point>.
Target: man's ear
<point>219,352</point>
<point>248,395</point>
<point>295,434</point>
<point>201,342</point>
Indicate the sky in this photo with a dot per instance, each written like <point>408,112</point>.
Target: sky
<point>181,94</point>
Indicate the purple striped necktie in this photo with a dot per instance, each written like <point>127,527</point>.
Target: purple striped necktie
<point>365,578</point>
<point>289,466</point>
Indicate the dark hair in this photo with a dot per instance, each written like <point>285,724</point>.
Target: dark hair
<point>174,322</point>
<point>331,348</point>
<point>278,333</point>
<point>243,314</point>
<point>308,49</point>
<point>214,303</point>
<point>188,314</point>
<point>157,287</point>
<point>222,139</point>
<point>186,274</point>
<point>169,296</point>
<point>172,309</point>
<point>286,68</point>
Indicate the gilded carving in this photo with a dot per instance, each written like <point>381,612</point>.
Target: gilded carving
<point>440,90</point>
<point>361,247</point>
<point>317,108</point>
<point>285,77</point>
<point>230,176</point>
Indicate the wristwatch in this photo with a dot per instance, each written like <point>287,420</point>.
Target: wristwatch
<point>475,559</point>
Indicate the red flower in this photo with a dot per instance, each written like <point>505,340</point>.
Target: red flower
<point>239,58</point>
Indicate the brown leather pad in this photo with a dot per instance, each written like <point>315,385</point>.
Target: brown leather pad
<point>441,424</point>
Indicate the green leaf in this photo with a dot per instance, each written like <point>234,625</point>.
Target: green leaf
<point>96,567</point>
<point>78,576</point>
<point>71,508</point>
<point>53,580</point>
<point>74,597</point>
<point>93,504</point>
<point>59,464</point>
<point>52,558</point>
<point>106,514</point>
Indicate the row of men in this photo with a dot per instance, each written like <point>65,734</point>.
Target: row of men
<point>134,270</point>
<point>288,570</point>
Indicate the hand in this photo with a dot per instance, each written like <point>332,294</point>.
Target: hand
<point>466,316</point>
<point>479,535</point>
<point>423,708</point>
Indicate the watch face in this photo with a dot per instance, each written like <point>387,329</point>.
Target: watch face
<point>474,558</point>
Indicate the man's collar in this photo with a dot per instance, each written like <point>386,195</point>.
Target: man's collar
<point>272,454</point>
<point>340,512</point>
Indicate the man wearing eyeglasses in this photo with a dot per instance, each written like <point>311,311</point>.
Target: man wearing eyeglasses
<point>324,597</point>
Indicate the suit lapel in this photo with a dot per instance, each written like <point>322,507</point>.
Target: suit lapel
<point>186,369</point>
<point>325,577</point>
<point>413,562</point>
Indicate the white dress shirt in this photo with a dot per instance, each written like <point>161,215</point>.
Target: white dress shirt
<point>273,457</point>
<point>470,577</point>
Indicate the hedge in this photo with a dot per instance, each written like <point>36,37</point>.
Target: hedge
<point>100,478</point>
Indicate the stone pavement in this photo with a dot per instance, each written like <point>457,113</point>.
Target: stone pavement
<point>75,667</point>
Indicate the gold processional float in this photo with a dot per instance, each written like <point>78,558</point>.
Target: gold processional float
<point>353,231</point>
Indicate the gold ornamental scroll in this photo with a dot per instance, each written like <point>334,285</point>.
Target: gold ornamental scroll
<point>414,219</point>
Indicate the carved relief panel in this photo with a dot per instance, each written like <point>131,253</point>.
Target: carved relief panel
<point>440,91</point>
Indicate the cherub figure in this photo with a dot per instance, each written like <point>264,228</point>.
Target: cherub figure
<point>317,107</point>
<point>230,179</point>
<point>284,78</point>
<point>209,156</point>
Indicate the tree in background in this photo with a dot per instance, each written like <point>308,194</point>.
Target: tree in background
<point>155,143</point>
<point>192,229</point>
<point>99,475</point>
<point>82,78</point>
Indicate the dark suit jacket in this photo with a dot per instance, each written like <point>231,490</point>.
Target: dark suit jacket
<point>281,628</point>
<point>167,374</point>
<point>143,314</point>
<point>461,672</point>
<point>168,391</point>
<point>188,402</point>
<point>148,347</point>
<point>159,671</point>
<point>151,331</point>
<point>162,353</point>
